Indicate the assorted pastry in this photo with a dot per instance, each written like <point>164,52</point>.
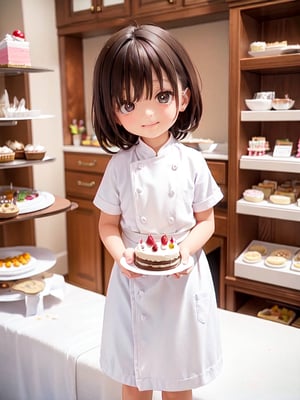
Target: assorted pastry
<point>284,193</point>
<point>11,198</point>
<point>13,149</point>
<point>269,255</point>
<point>259,146</point>
<point>277,314</point>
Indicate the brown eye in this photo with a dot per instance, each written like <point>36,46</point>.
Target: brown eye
<point>126,108</point>
<point>164,97</point>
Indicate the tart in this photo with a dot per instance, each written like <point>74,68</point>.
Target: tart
<point>275,261</point>
<point>252,256</point>
<point>277,314</point>
<point>259,248</point>
<point>8,210</point>
<point>282,253</point>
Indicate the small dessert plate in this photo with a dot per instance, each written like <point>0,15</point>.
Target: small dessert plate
<point>179,268</point>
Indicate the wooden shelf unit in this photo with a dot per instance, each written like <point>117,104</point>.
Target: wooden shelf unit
<point>268,21</point>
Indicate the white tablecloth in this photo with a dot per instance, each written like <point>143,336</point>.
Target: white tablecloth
<point>38,354</point>
<point>55,355</point>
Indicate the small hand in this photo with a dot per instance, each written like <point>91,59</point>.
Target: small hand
<point>185,256</point>
<point>129,258</point>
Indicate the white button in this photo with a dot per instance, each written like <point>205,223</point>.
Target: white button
<point>143,317</point>
<point>143,220</point>
<point>140,166</point>
<point>174,167</point>
<point>171,193</point>
<point>139,190</point>
<point>171,220</point>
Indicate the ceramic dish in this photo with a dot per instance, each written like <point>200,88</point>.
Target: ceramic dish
<point>133,268</point>
<point>259,104</point>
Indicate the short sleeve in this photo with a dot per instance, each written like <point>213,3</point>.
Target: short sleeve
<point>107,198</point>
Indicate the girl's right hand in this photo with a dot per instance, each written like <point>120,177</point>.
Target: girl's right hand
<point>129,258</point>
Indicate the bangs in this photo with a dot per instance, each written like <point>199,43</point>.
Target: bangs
<point>134,68</point>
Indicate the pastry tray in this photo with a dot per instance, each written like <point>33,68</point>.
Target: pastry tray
<point>285,276</point>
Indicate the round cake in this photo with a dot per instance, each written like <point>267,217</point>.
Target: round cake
<point>157,255</point>
<point>253,195</point>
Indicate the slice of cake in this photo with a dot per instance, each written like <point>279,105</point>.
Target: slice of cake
<point>14,50</point>
<point>157,255</point>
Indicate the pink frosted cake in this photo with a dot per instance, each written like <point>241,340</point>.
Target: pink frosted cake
<point>157,256</point>
<point>14,50</point>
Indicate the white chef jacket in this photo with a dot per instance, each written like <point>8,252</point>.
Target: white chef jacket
<point>159,332</point>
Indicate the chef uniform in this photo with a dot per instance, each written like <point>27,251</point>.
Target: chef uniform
<point>159,332</point>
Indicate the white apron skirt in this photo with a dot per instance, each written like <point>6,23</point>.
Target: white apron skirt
<point>162,333</point>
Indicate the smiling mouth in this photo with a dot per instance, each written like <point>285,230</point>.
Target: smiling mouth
<point>149,125</point>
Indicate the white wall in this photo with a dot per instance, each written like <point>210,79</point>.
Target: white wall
<point>37,19</point>
<point>207,45</point>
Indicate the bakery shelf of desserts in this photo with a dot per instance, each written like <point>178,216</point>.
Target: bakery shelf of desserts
<point>265,262</point>
<point>59,205</point>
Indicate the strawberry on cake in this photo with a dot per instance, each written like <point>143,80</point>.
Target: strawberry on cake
<point>14,50</point>
<point>157,255</point>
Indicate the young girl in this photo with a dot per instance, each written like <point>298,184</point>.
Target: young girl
<point>159,333</point>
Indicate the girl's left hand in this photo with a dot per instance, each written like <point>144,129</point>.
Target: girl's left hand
<point>185,256</point>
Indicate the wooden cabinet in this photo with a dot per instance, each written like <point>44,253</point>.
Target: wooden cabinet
<point>151,7</point>
<point>89,265</point>
<point>94,17</point>
<point>70,13</point>
<point>267,21</point>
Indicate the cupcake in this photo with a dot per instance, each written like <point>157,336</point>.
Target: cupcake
<point>6,154</point>
<point>34,152</point>
<point>17,147</point>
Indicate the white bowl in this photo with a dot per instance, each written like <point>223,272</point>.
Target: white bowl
<point>259,104</point>
<point>282,104</point>
<point>206,144</point>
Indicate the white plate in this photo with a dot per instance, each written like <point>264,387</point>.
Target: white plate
<point>271,52</point>
<point>44,260</point>
<point>276,266</point>
<point>43,200</point>
<point>180,268</point>
<point>12,271</point>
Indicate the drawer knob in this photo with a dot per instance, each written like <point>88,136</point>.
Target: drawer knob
<point>86,184</point>
<point>86,163</point>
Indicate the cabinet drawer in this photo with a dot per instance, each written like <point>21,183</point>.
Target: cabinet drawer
<point>82,185</point>
<point>86,162</point>
<point>219,171</point>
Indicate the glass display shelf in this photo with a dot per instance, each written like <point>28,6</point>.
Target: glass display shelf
<point>21,163</point>
<point>17,70</point>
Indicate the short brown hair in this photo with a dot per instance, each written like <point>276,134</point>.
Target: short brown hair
<point>128,60</point>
